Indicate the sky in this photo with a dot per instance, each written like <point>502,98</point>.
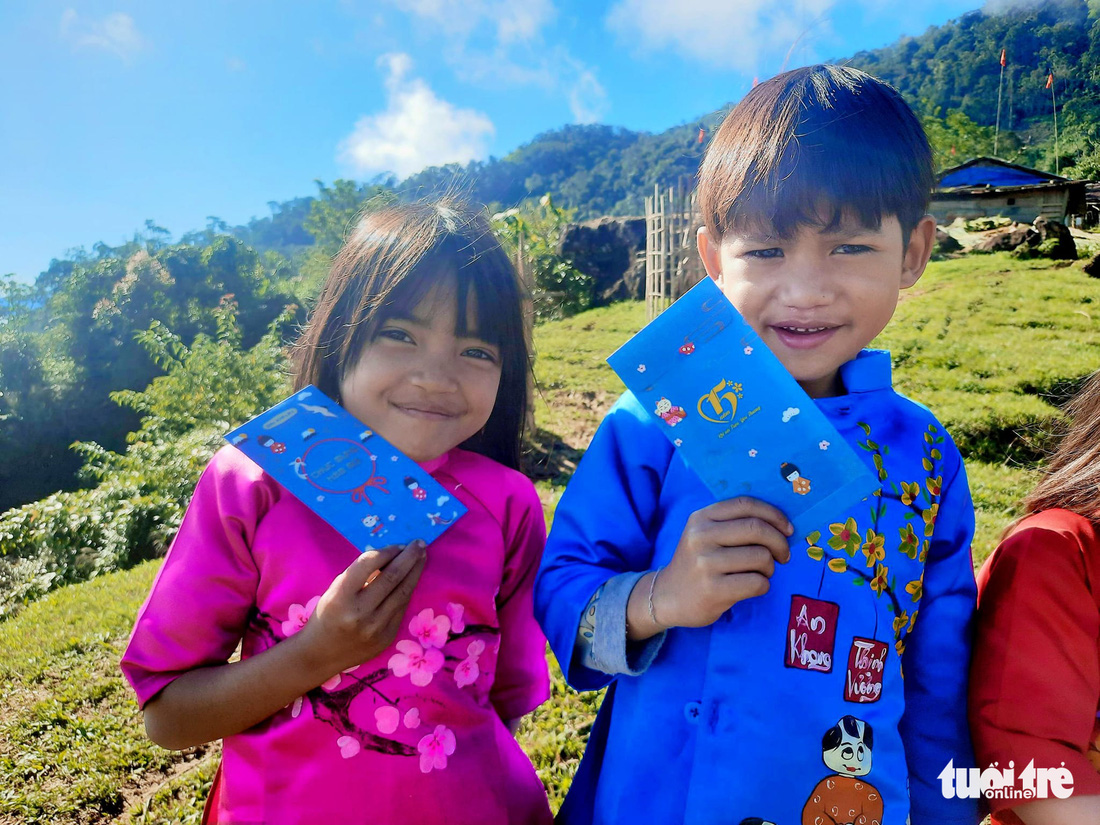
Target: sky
<point>114,113</point>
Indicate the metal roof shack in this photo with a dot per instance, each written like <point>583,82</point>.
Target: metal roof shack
<point>986,186</point>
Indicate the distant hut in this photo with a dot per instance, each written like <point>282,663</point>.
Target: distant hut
<point>985,187</point>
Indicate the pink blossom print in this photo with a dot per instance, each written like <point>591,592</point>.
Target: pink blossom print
<point>454,612</point>
<point>435,748</point>
<point>467,672</point>
<point>418,664</point>
<point>349,746</point>
<point>298,615</point>
<point>412,719</point>
<point>387,718</point>
<point>428,629</point>
<point>334,682</point>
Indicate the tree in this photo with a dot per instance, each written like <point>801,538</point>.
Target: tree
<point>532,235</point>
<point>337,208</point>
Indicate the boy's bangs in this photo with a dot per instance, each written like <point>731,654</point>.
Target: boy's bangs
<point>816,147</point>
<point>819,187</point>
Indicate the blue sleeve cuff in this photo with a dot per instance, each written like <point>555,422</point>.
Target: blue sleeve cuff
<point>611,652</point>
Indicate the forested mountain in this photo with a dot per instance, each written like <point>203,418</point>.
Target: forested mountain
<point>597,170</point>
<point>70,339</point>
<point>950,74</point>
<point>957,67</point>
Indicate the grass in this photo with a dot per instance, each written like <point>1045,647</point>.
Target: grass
<point>990,343</point>
<point>72,748</point>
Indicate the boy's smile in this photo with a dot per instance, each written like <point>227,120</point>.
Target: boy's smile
<point>820,296</point>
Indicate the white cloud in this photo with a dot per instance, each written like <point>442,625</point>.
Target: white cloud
<point>115,33</point>
<point>502,43</point>
<point>587,98</point>
<point>417,128</point>
<point>515,22</point>
<point>740,36</point>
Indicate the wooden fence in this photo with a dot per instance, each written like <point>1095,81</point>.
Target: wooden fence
<point>672,264</point>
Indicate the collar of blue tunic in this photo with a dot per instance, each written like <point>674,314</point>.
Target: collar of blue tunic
<point>867,372</point>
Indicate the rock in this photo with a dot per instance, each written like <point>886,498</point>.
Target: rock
<point>1007,239</point>
<point>1055,240</point>
<point>945,243</point>
<point>612,252</point>
<point>986,224</point>
<point>1092,267</point>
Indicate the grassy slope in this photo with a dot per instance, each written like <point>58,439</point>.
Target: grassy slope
<point>985,341</point>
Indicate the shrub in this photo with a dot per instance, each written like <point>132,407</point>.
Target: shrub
<point>532,236</point>
<point>140,495</point>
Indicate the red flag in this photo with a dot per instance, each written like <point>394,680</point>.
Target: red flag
<point>755,82</point>
<point>702,134</point>
<point>1050,80</point>
<point>1002,57</point>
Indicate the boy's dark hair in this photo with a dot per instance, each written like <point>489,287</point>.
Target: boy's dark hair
<point>818,138</point>
<point>393,259</point>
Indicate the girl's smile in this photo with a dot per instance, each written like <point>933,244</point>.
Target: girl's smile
<point>419,384</point>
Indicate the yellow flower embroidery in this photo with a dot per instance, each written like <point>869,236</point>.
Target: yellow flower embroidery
<point>881,581</point>
<point>874,548</point>
<point>900,622</point>
<point>915,588</point>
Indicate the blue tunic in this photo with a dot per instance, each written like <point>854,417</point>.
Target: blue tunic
<point>732,721</point>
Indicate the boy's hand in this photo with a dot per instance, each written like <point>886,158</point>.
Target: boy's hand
<point>727,553</point>
<point>359,615</point>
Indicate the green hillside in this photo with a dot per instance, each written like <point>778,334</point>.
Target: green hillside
<point>68,341</point>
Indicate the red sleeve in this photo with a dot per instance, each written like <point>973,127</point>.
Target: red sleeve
<point>522,681</point>
<point>1035,673</point>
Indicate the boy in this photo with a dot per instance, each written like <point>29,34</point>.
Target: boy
<point>750,680</point>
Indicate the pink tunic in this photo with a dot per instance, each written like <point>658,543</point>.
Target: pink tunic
<point>413,736</point>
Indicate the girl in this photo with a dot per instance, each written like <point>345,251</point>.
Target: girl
<point>379,687</point>
<point>1035,675</point>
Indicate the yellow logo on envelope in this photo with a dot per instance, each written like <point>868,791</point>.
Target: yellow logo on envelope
<point>717,406</point>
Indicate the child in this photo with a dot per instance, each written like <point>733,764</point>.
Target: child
<point>1035,677</point>
<point>754,673</point>
<point>419,332</point>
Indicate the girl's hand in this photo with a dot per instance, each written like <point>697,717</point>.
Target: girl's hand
<point>727,553</point>
<point>359,615</point>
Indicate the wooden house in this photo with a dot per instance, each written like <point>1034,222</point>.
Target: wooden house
<point>987,186</point>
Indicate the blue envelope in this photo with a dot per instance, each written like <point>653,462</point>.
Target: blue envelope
<point>358,482</point>
<point>735,414</point>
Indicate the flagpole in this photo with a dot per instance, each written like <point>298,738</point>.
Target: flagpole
<point>1054,111</point>
<point>1000,85</point>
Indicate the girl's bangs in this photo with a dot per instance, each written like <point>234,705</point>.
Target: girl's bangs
<point>479,275</point>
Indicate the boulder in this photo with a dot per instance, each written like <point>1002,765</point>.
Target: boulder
<point>1055,240</point>
<point>1006,240</point>
<point>945,243</point>
<point>612,252</point>
<point>1092,267</point>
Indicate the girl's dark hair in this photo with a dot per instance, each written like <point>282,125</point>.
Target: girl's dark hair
<point>392,260</point>
<point>1071,479</point>
<point>818,137</point>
